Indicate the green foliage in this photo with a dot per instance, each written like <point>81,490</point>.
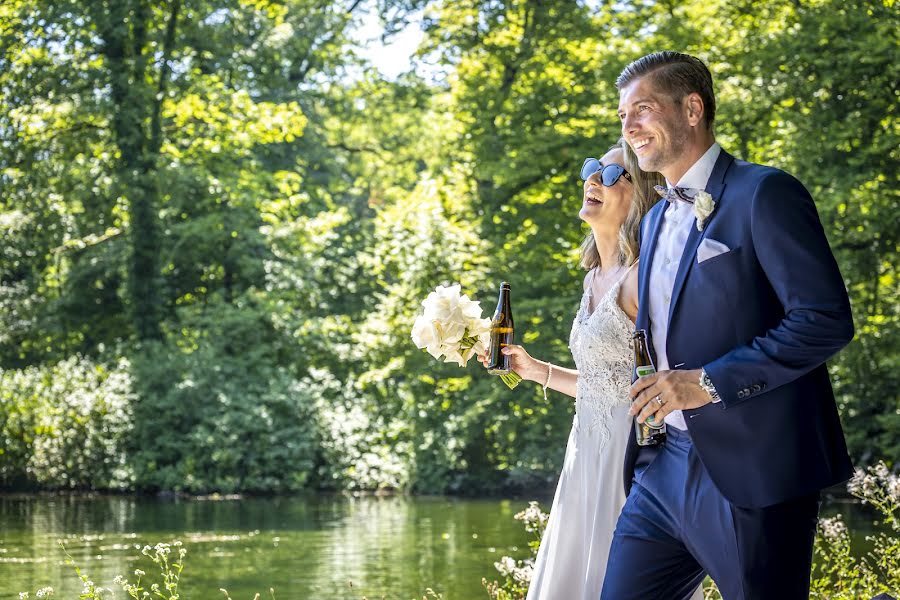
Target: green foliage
<point>222,415</point>
<point>233,200</point>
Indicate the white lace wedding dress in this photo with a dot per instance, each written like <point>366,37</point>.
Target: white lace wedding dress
<point>572,558</point>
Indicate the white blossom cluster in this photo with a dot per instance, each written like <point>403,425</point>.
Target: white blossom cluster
<point>519,571</point>
<point>533,517</point>
<point>44,592</point>
<point>833,528</point>
<point>877,485</point>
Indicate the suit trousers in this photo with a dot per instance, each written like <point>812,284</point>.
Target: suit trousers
<point>676,527</point>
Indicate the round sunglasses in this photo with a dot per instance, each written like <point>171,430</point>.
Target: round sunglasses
<point>609,174</point>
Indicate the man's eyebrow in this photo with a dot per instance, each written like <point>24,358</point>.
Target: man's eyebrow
<point>643,100</point>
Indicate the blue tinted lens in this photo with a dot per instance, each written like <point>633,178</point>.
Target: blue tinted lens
<point>590,166</point>
<point>610,175</point>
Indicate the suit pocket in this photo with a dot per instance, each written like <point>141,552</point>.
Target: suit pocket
<point>720,277</point>
<point>725,257</point>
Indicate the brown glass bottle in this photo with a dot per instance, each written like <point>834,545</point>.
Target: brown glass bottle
<point>647,433</point>
<point>501,333</point>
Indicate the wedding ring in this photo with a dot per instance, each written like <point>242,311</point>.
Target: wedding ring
<point>658,401</point>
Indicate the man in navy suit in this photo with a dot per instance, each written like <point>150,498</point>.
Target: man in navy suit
<point>743,303</point>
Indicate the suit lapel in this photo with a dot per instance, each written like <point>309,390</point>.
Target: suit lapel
<point>715,188</point>
<point>655,219</point>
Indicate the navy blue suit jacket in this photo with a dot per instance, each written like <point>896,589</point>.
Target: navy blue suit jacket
<point>762,319</point>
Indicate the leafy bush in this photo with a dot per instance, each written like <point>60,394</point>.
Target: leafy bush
<point>209,421</point>
<point>63,425</point>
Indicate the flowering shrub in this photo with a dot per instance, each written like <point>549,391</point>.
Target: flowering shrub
<point>359,450</point>
<point>837,573</point>
<point>64,425</point>
<point>517,574</point>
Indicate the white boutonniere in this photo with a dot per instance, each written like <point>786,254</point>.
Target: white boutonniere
<point>704,205</point>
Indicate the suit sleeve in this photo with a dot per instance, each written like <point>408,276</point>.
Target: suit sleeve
<point>793,252</point>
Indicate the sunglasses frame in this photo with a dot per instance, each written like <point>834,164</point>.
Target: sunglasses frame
<point>603,169</point>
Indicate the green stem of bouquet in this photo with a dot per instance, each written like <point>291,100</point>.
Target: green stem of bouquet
<point>511,379</point>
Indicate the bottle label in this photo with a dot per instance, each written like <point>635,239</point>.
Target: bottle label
<point>501,329</point>
<point>645,370</point>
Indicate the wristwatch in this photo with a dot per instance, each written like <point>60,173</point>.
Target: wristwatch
<point>708,387</point>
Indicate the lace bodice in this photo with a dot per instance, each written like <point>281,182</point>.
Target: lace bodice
<point>601,346</point>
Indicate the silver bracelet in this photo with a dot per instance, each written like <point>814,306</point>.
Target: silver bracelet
<point>549,375</point>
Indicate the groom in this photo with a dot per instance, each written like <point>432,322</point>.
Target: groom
<point>744,303</point>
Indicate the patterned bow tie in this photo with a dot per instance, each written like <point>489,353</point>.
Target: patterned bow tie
<point>676,193</point>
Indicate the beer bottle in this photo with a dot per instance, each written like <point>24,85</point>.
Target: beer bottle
<point>648,434</point>
<point>501,333</point>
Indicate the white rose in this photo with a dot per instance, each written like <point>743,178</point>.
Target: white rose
<point>703,207</point>
<point>443,303</point>
<point>423,334</point>
<point>452,355</point>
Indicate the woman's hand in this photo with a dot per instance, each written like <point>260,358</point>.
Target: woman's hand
<point>520,362</point>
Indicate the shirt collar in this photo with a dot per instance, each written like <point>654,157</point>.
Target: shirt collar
<point>698,175</point>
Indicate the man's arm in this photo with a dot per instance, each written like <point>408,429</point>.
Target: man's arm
<point>792,249</point>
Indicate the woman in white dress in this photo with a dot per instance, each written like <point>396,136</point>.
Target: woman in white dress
<point>590,494</point>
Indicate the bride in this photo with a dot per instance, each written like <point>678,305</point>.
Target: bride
<point>590,494</point>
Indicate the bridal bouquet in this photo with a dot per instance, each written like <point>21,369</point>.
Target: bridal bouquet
<point>451,327</point>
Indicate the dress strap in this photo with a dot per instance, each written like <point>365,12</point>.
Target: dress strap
<point>590,284</point>
<point>627,271</point>
<point>622,277</point>
<point>612,294</point>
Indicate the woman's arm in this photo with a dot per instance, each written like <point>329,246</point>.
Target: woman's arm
<point>562,379</point>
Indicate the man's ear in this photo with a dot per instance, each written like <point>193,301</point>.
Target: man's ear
<point>694,108</point>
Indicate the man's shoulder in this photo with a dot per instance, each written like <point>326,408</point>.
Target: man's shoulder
<point>743,173</point>
<point>754,171</point>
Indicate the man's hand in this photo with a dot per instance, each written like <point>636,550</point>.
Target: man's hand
<point>676,390</point>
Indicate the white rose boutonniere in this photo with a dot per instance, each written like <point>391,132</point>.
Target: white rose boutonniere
<point>704,205</point>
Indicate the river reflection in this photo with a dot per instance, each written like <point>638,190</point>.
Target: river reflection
<point>309,548</point>
<point>304,548</point>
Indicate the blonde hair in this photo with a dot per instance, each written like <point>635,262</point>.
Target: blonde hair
<point>643,197</point>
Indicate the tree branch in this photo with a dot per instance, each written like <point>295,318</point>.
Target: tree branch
<point>165,72</point>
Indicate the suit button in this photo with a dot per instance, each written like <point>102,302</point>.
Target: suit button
<point>740,394</point>
<point>746,391</point>
<point>756,388</point>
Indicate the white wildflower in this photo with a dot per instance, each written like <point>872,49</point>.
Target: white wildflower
<point>833,528</point>
<point>893,487</point>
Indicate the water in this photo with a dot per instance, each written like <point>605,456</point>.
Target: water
<point>306,548</point>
